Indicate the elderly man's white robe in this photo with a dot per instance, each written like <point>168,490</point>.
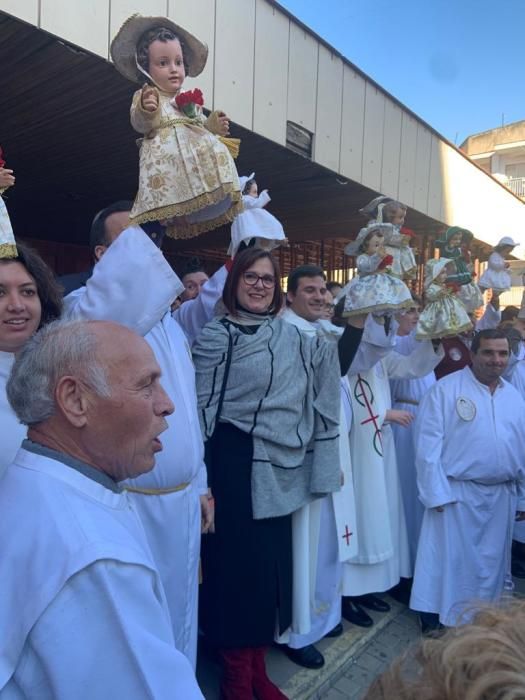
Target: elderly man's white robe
<point>11,431</point>
<point>470,458</point>
<point>134,285</point>
<point>383,555</point>
<point>82,610</point>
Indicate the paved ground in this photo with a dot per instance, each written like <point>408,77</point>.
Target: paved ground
<point>352,660</point>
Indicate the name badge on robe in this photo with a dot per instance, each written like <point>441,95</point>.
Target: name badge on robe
<point>455,354</point>
<point>466,408</point>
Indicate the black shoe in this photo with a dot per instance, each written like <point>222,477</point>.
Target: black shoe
<point>518,568</point>
<point>430,623</point>
<point>372,602</point>
<point>336,632</point>
<point>308,657</point>
<point>518,550</point>
<point>355,614</point>
<point>402,591</point>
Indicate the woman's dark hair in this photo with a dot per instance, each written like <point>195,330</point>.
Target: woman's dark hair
<point>156,34</point>
<point>242,262</point>
<point>49,291</point>
<point>247,187</point>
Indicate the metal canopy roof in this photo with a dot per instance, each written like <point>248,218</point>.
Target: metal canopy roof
<point>65,131</point>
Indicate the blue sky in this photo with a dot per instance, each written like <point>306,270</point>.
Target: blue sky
<point>458,64</point>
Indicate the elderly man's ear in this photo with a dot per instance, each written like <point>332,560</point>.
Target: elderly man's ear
<point>73,400</point>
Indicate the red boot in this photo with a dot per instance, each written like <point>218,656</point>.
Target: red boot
<point>263,688</point>
<point>237,677</point>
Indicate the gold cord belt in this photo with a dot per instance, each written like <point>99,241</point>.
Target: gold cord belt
<point>157,492</point>
<point>166,123</point>
<point>409,401</point>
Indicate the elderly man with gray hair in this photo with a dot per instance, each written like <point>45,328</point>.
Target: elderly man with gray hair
<point>82,609</point>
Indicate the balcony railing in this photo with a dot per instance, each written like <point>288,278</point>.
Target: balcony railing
<point>517,185</point>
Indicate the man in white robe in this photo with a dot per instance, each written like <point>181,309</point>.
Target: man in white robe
<point>82,609</point>
<point>383,556</point>
<point>470,460</point>
<point>316,547</point>
<point>133,284</point>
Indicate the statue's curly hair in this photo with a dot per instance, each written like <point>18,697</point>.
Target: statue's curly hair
<point>156,34</point>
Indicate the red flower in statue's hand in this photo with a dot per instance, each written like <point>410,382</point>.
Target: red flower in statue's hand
<point>407,231</point>
<point>190,97</point>
<point>452,286</point>
<point>2,161</point>
<point>385,262</point>
<point>198,97</point>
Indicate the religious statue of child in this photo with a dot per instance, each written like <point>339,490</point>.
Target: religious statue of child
<point>255,225</point>
<point>444,314</point>
<point>497,276</point>
<point>384,210</point>
<point>187,179</point>
<point>375,289</point>
<point>454,247</point>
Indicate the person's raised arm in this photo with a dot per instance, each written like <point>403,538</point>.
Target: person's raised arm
<point>348,345</point>
<point>376,342</point>
<point>420,362</point>
<point>194,314</point>
<point>131,284</point>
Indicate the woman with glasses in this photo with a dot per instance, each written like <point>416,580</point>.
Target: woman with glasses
<point>265,395</point>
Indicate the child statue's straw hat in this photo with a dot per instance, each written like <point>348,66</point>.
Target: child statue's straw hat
<point>124,46</point>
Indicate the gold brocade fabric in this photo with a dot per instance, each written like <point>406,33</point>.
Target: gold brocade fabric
<point>443,315</point>
<point>187,174</point>
<point>374,291</point>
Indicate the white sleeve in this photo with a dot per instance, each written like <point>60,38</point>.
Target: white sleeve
<point>374,345</point>
<point>429,434</point>
<point>132,284</point>
<point>194,314</point>
<point>490,319</point>
<point>419,363</point>
<point>107,634</point>
<point>259,202</point>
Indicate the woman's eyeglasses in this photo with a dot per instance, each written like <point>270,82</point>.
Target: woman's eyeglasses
<point>251,279</point>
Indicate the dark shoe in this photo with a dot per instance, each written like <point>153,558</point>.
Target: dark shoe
<point>308,657</point>
<point>518,568</point>
<point>336,632</point>
<point>518,550</point>
<point>402,591</point>
<point>429,623</point>
<point>372,602</point>
<point>355,614</point>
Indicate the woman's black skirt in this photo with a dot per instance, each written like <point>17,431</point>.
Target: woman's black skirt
<point>246,593</point>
